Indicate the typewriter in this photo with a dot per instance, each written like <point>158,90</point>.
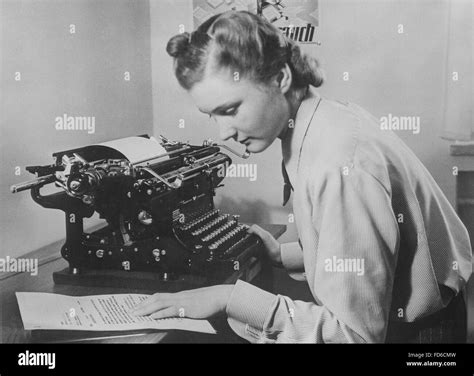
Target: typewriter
<point>157,199</point>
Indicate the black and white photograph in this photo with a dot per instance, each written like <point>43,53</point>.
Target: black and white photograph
<point>237,172</point>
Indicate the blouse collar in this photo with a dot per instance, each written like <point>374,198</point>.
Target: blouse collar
<point>292,144</point>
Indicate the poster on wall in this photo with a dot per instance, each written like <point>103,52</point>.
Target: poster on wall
<point>298,19</point>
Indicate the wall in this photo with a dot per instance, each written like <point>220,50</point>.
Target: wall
<point>80,74</point>
<point>401,74</point>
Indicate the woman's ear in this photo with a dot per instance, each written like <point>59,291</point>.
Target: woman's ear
<point>284,79</point>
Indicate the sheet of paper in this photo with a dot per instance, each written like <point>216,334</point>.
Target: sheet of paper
<point>137,148</point>
<point>95,313</point>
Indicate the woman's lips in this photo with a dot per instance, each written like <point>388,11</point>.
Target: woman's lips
<point>245,141</point>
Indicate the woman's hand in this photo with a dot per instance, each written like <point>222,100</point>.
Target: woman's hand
<point>272,245</point>
<point>200,303</point>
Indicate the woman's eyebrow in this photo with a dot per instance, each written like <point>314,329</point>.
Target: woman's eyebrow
<point>223,106</point>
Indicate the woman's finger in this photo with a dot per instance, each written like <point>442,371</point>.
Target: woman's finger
<point>266,237</point>
<point>149,309</point>
<point>164,313</point>
<point>151,299</point>
<point>257,230</point>
<point>152,306</point>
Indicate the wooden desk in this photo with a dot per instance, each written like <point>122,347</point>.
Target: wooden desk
<point>50,260</point>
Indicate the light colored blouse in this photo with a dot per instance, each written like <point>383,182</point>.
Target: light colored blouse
<point>378,240</point>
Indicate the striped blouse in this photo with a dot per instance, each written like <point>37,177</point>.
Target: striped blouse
<point>378,240</point>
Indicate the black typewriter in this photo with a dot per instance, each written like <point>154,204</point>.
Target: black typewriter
<point>158,206</point>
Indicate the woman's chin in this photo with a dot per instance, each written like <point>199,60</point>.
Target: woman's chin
<point>254,147</point>
<point>257,146</point>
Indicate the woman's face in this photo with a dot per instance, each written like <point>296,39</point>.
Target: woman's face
<point>244,111</point>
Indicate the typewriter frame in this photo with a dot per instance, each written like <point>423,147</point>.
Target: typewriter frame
<point>159,255</point>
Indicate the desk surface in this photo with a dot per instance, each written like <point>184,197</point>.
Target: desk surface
<point>11,326</point>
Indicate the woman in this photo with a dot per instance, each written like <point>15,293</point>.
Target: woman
<point>382,250</point>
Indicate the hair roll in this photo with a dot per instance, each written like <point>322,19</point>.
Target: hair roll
<point>306,69</point>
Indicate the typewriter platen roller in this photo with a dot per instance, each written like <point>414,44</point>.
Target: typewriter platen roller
<point>159,208</point>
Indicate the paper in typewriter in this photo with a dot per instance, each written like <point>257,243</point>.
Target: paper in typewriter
<point>95,313</point>
<point>136,149</point>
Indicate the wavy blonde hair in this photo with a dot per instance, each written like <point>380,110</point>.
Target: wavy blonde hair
<point>241,42</point>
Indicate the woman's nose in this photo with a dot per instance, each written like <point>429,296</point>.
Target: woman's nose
<point>226,131</point>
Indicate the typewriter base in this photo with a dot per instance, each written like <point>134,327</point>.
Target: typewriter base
<point>151,281</point>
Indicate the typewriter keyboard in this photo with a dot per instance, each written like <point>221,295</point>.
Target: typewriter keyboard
<point>221,235</point>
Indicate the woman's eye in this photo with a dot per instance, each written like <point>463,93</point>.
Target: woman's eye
<point>231,111</point>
